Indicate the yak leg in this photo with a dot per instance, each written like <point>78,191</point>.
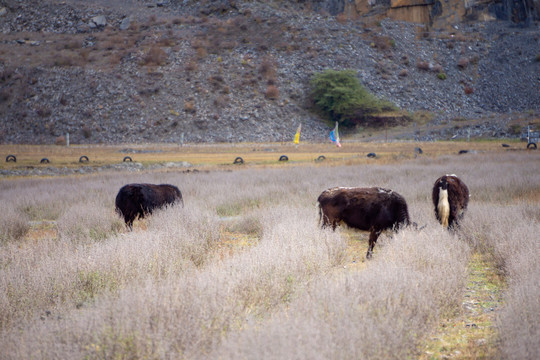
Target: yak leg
<point>373,236</point>
<point>326,221</point>
<point>129,220</point>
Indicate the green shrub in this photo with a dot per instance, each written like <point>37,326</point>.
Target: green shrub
<point>441,76</point>
<point>340,96</point>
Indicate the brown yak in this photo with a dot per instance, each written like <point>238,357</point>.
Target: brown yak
<point>450,198</point>
<point>138,200</point>
<point>370,209</point>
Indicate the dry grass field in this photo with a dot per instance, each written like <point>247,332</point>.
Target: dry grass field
<point>212,155</point>
<point>243,270</point>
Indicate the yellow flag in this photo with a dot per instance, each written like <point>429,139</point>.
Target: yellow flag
<point>297,135</point>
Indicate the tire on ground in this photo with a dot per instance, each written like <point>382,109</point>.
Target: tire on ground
<point>238,160</point>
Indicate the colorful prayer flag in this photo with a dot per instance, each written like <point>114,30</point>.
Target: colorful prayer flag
<point>334,136</point>
<point>297,135</point>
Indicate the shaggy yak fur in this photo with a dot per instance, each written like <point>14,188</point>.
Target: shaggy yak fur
<point>138,200</point>
<point>370,209</point>
<point>450,197</point>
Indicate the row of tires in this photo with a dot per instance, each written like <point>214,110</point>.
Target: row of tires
<point>239,160</point>
<point>82,159</point>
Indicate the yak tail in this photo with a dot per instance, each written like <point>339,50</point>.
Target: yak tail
<point>443,207</point>
<point>320,214</point>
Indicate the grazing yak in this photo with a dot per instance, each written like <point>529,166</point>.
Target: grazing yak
<point>370,209</point>
<point>138,200</point>
<point>450,197</point>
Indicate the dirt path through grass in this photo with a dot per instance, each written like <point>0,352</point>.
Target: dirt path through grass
<point>357,245</point>
<point>471,333</point>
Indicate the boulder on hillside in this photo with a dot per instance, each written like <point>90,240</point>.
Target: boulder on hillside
<point>126,22</point>
<point>98,21</point>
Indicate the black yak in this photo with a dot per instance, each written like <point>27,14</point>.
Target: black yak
<point>450,198</point>
<point>138,200</point>
<point>370,209</point>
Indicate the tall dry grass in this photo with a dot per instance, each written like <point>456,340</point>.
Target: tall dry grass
<point>509,235</point>
<point>13,225</point>
<point>169,289</point>
<point>381,312</point>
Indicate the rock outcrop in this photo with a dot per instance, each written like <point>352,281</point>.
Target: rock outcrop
<point>436,13</point>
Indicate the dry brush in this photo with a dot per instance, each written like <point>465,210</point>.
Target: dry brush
<point>172,289</point>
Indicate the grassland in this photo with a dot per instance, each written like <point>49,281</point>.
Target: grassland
<point>224,154</point>
<point>244,271</point>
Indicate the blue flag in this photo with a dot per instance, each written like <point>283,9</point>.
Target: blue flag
<point>334,136</point>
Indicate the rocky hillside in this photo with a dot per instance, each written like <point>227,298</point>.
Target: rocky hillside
<point>229,71</point>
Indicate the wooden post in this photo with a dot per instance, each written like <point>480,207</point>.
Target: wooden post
<point>67,139</point>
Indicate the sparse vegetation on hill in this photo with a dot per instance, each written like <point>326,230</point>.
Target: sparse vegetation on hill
<point>128,72</point>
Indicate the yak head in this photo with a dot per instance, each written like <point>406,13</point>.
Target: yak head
<point>443,184</point>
